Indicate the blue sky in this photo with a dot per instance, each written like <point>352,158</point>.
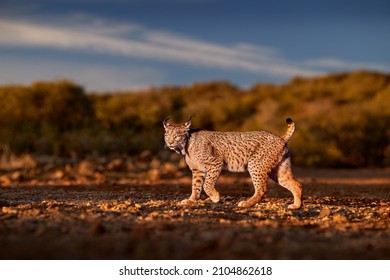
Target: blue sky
<point>120,45</point>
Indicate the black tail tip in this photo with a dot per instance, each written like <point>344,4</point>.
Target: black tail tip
<point>289,120</point>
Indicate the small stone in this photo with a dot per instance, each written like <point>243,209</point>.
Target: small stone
<point>17,176</point>
<point>8,210</point>
<point>4,180</point>
<point>154,174</point>
<point>116,165</point>
<point>155,164</point>
<point>59,174</point>
<point>154,214</point>
<point>86,168</point>
<point>339,218</point>
<point>33,212</point>
<point>325,212</point>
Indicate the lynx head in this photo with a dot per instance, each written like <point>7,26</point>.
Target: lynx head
<point>176,136</point>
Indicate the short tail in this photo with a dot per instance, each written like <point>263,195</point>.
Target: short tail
<point>290,130</point>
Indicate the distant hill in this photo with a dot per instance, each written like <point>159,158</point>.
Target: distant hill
<point>342,119</point>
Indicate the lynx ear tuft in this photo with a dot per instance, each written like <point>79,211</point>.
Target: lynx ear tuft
<point>166,123</point>
<point>188,123</point>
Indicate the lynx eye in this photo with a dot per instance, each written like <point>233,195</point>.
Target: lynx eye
<point>177,137</point>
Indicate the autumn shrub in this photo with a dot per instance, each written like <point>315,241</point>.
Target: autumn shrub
<point>342,119</point>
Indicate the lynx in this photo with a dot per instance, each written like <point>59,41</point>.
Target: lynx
<point>207,153</point>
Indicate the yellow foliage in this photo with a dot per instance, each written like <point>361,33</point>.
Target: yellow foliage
<point>341,119</point>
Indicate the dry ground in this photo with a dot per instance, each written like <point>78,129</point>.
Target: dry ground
<point>108,212</point>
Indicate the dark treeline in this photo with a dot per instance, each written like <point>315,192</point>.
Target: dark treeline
<point>342,119</point>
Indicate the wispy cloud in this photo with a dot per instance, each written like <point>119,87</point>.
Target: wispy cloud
<point>339,64</point>
<point>93,76</point>
<point>94,35</point>
<point>137,41</point>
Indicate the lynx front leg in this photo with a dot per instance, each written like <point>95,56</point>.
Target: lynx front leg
<point>209,184</point>
<point>197,184</point>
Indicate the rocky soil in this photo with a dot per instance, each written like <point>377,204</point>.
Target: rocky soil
<point>130,209</point>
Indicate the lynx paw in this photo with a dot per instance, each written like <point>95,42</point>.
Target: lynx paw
<point>186,202</point>
<point>294,207</point>
<point>244,204</point>
<point>214,198</point>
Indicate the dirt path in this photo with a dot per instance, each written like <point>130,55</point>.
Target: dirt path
<point>346,215</point>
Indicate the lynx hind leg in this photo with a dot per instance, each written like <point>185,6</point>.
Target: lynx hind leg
<point>282,174</point>
<point>197,184</point>
<point>259,178</point>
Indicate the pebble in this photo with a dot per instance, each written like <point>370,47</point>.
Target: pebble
<point>325,212</point>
